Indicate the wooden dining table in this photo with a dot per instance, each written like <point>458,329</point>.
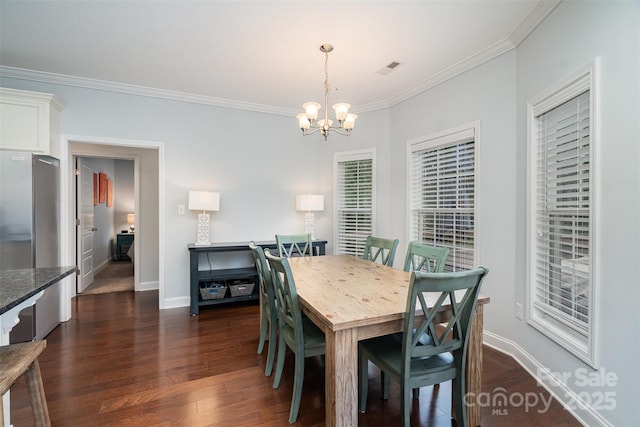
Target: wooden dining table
<point>352,299</point>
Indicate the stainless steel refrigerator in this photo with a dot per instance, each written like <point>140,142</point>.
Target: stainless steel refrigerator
<point>30,232</point>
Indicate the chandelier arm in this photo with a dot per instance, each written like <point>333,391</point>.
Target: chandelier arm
<point>315,130</point>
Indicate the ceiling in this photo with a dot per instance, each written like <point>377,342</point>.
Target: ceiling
<point>260,55</point>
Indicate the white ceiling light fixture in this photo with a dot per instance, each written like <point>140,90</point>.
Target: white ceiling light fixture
<point>307,120</point>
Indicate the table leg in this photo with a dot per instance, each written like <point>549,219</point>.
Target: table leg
<point>341,383</point>
<point>474,365</point>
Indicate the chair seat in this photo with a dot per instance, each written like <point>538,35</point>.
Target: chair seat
<point>386,352</point>
<point>313,337</point>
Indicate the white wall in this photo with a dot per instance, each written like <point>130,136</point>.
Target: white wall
<point>496,94</point>
<point>574,34</point>
<point>258,162</point>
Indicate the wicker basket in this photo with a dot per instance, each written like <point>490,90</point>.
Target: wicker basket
<point>241,288</point>
<point>213,291</point>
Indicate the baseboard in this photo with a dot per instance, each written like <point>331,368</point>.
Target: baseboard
<point>148,286</point>
<point>176,302</point>
<point>560,392</point>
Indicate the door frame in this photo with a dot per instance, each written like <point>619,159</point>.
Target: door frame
<point>67,204</point>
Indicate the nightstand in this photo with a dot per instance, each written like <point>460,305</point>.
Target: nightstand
<point>123,243</point>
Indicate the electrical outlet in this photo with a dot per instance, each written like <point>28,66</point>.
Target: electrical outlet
<point>180,209</point>
<point>519,310</point>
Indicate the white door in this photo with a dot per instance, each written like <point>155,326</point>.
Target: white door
<point>84,203</point>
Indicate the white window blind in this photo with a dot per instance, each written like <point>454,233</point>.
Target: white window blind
<point>442,196</point>
<point>354,202</point>
<point>563,185</point>
<point>561,220</point>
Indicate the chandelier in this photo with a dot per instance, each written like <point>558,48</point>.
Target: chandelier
<point>307,120</point>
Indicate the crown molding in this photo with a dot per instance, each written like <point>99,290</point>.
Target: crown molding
<point>532,20</point>
<point>466,64</point>
<point>45,77</point>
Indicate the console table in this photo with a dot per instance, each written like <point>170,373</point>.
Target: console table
<point>202,277</point>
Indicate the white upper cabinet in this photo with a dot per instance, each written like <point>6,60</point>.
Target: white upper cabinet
<point>29,121</point>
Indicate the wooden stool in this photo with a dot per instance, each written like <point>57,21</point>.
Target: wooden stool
<point>21,359</point>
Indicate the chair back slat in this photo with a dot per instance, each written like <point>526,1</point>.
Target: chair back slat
<point>450,335</point>
<point>294,245</point>
<point>267,292</point>
<point>422,257</point>
<point>380,250</point>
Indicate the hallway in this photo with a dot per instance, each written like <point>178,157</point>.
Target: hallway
<point>114,277</point>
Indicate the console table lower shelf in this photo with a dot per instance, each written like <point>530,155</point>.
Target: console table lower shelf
<point>213,287</point>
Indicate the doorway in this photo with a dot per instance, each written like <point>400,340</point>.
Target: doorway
<point>148,195</point>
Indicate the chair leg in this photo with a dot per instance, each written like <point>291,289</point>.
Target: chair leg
<point>384,382</point>
<point>271,353</point>
<point>263,330</point>
<point>298,380</point>
<point>457,393</point>
<point>416,393</point>
<point>282,348</point>
<point>405,403</point>
<point>36,395</point>
<point>363,382</point>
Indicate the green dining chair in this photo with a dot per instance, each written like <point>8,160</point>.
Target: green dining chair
<point>294,245</point>
<point>380,250</point>
<point>297,332</point>
<point>420,257</point>
<point>415,363</point>
<point>423,257</point>
<point>269,317</point>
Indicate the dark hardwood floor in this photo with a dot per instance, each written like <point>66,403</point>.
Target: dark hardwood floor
<point>122,362</point>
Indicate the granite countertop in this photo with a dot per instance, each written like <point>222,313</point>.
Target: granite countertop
<point>18,285</point>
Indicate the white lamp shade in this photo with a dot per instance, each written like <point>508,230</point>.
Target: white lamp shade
<point>311,109</point>
<point>350,121</point>
<point>341,110</point>
<point>310,202</point>
<point>204,201</point>
<point>303,121</point>
<point>131,218</point>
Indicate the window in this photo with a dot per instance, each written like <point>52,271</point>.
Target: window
<point>561,223</point>
<point>442,194</point>
<point>354,189</point>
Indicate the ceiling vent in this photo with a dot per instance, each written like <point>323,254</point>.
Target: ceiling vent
<point>388,68</point>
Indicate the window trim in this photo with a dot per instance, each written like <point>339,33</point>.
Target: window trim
<point>586,78</point>
<point>434,140</point>
<point>353,155</point>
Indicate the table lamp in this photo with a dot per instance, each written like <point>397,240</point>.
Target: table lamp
<point>203,201</point>
<point>309,203</point>
<point>131,220</point>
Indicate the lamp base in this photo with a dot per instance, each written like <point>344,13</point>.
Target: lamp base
<point>308,224</point>
<point>203,230</point>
